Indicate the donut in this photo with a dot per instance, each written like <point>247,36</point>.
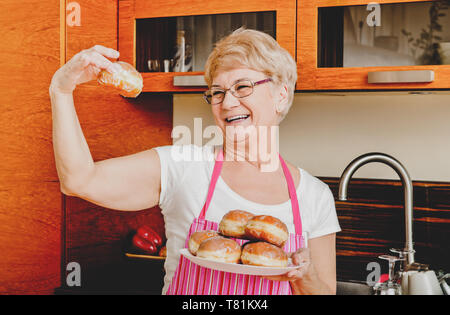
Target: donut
<point>263,254</point>
<point>233,223</point>
<point>197,238</point>
<point>220,249</point>
<point>127,80</point>
<point>267,228</point>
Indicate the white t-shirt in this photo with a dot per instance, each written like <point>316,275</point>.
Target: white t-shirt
<point>185,176</point>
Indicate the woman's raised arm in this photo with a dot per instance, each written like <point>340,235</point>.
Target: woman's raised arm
<point>126,183</point>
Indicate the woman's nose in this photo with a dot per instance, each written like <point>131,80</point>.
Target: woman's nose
<point>229,100</point>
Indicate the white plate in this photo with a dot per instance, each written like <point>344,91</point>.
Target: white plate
<point>238,268</point>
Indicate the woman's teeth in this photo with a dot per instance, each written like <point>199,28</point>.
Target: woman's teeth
<point>235,118</point>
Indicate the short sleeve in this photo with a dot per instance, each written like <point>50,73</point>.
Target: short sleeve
<point>173,168</point>
<point>326,220</point>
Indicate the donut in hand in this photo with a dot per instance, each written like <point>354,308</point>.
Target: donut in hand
<point>220,249</point>
<point>197,238</point>
<point>127,79</point>
<point>267,228</point>
<point>233,223</point>
<point>263,254</point>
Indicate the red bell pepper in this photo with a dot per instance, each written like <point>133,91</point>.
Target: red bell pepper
<point>149,235</point>
<point>143,245</point>
<point>147,240</point>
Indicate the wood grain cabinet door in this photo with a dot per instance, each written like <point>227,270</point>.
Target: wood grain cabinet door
<point>362,45</point>
<point>140,42</point>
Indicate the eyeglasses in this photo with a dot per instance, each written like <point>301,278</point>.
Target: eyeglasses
<point>240,89</point>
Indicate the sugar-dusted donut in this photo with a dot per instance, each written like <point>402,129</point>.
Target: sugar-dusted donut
<point>263,254</point>
<point>267,228</point>
<point>127,80</point>
<point>197,238</point>
<point>220,249</point>
<point>233,223</point>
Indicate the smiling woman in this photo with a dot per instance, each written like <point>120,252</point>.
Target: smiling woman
<point>251,83</point>
<point>194,194</point>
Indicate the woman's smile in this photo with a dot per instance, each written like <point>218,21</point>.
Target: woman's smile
<point>236,119</point>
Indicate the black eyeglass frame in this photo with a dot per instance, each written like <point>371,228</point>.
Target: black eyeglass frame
<point>226,90</point>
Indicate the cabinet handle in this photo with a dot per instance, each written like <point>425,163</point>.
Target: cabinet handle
<point>189,80</point>
<point>411,76</point>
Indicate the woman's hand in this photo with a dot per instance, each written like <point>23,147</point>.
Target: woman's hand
<point>304,279</point>
<point>301,258</point>
<point>84,67</point>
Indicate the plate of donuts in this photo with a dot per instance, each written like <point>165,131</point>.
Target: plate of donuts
<point>244,244</point>
<point>237,267</point>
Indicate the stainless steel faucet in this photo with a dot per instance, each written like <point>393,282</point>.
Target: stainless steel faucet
<point>407,186</point>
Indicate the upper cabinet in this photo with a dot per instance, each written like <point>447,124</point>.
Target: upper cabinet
<point>168,41</point>
<point>365,45</point>
<point>338,44</point>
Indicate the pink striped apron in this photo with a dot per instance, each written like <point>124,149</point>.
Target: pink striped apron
<point>191,279</point>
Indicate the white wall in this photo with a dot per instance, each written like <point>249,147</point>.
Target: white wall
<point>323,132</point>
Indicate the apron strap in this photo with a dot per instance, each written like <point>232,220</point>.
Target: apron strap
<point>212,185</point>
<point>290,182</point>
<point>293,195</point>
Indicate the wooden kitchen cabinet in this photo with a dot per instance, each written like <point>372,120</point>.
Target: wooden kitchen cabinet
<point>95,237</point>
<point>340,46</point>
<point>155,30</point>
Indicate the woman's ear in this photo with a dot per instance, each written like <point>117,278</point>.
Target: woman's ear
<point>282,97</point>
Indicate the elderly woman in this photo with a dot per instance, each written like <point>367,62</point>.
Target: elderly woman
<point>251,83</point>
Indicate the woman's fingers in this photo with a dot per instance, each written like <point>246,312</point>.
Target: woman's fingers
<point>289,276</point>
<point>301,256</point>
<point>296,274</point>
<point>89,65</point>
<point>84,67</point>
<point>100,61</point>
<point>105,51</point>
<point>91,57</point>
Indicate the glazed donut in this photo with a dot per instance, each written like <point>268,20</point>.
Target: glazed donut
<point>233,223</point>
<point>263,254</point>
<point>128,80</point>
<point>220,249</point>
<point>197,238</point>
<point>267,228</point>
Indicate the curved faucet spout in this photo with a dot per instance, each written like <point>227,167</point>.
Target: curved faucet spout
<point>407,186</point>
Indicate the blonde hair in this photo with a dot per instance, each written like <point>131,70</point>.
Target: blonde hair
<point>257,51</point>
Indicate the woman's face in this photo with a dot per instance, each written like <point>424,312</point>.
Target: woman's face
<point>258,109</point>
